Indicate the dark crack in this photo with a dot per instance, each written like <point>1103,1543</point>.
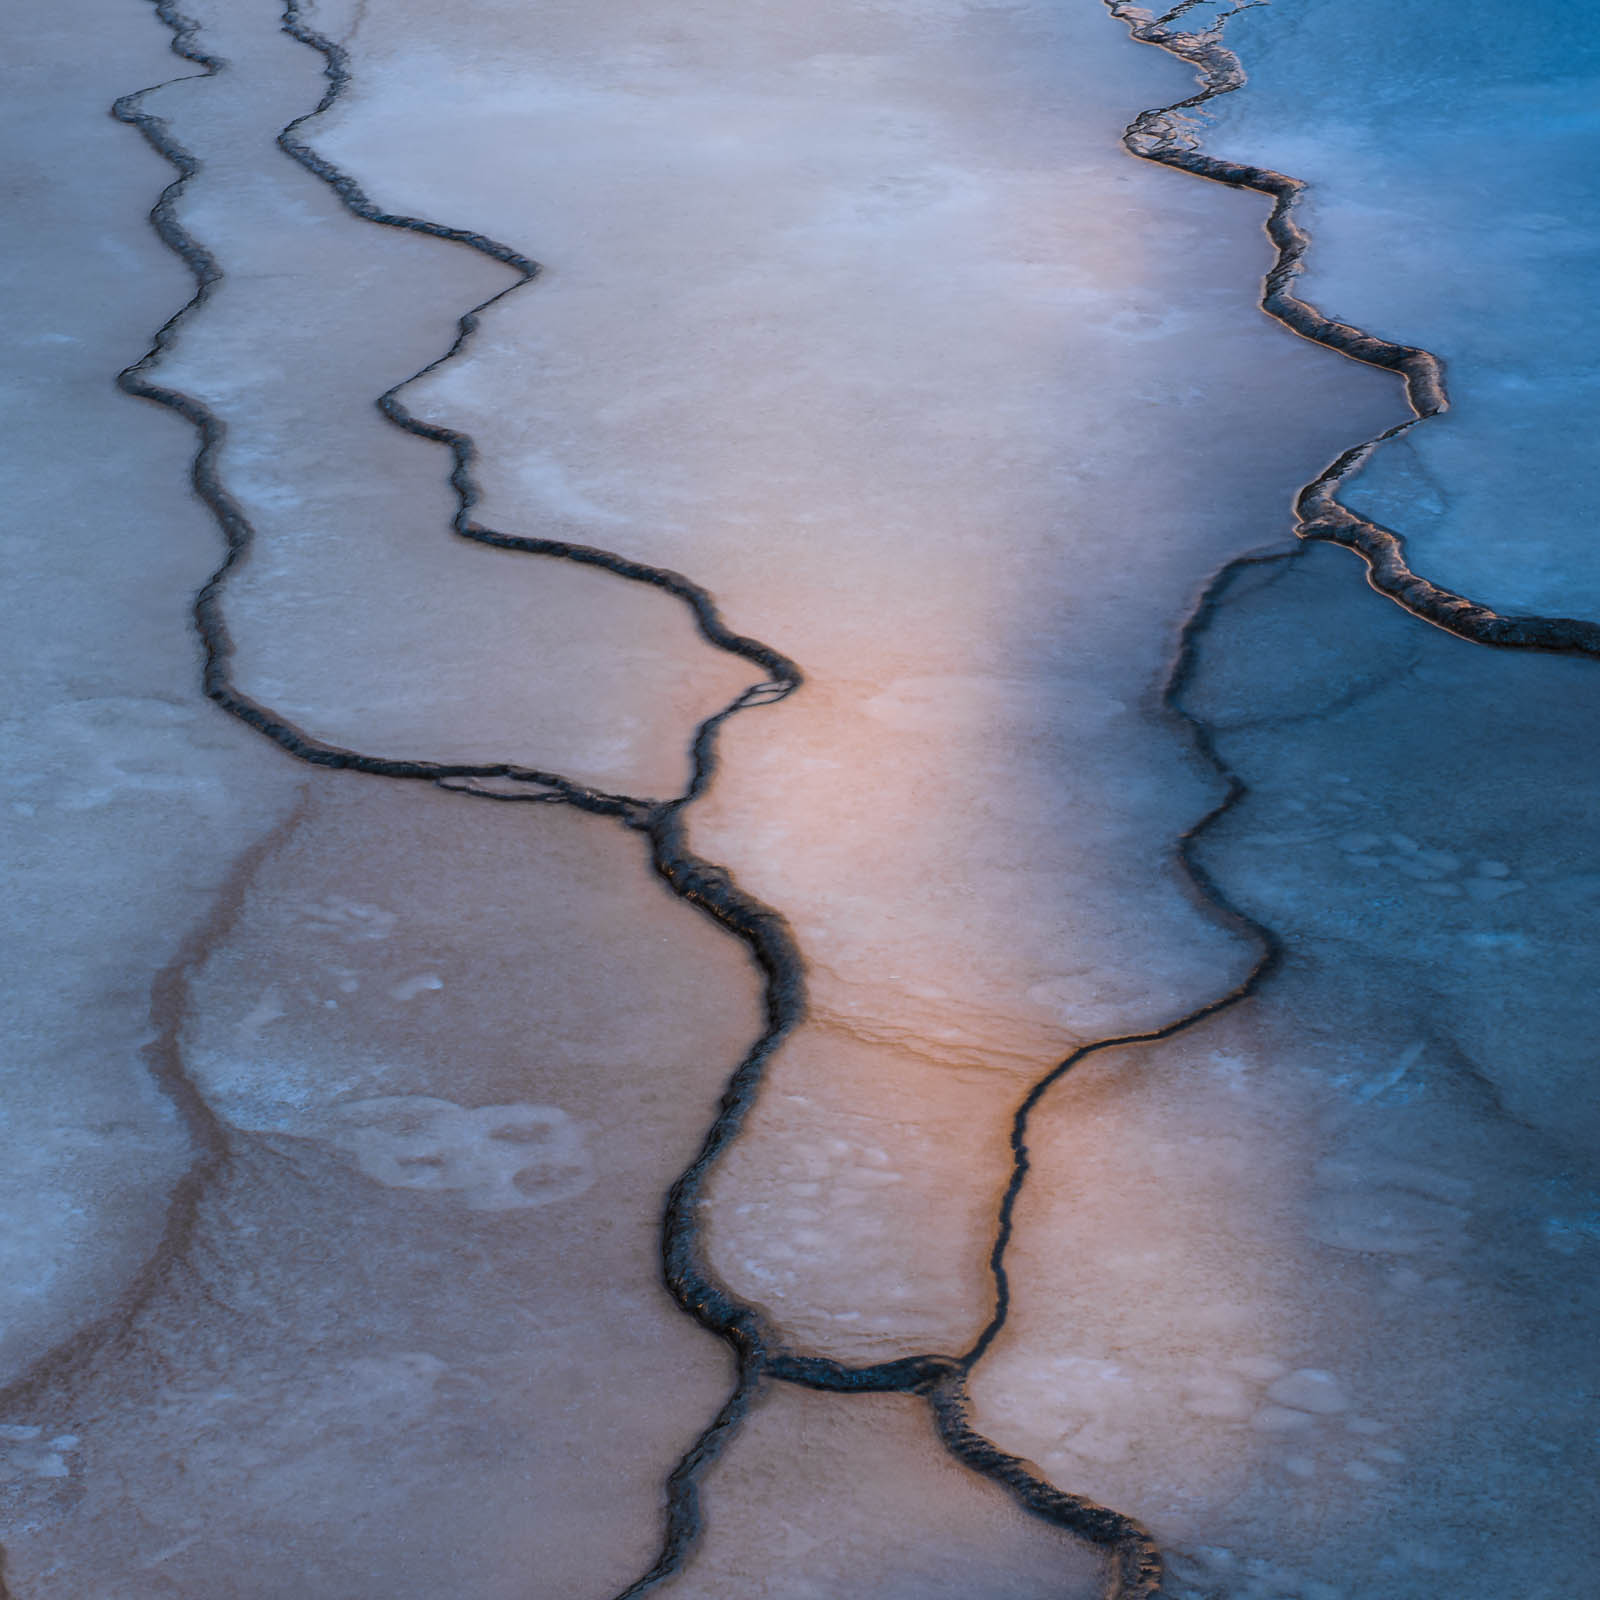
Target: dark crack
<point>759,1348</point>
<point>1135,1561</point>
<point>1268,944</point>
<point>1165,136</point>
<point>1136,1568</point>
<point>217,643</point>
<point>683,1483</point>
<point>1162,136</point>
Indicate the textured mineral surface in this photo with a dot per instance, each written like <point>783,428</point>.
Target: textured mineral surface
<point>800,801</point>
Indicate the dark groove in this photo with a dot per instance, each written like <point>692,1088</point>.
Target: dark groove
<point>711,889</point>
<point>1267,942</point>
<point>783,675</point>
<point>683,1521</point>
<point>1160,136</point>
<point>1135,1562</point>
<point>238,535</point>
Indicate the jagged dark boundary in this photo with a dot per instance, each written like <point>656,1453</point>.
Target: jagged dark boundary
<point>1162,136</point>
<point>701,883</point>
<point>759,1348</point>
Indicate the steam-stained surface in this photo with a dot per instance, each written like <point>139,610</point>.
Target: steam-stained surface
<point>859,316</point>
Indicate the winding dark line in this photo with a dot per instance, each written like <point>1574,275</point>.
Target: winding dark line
<point>758,1346</point>
<point>683,1521</point>
<point>1135,1560</point>
<point>1267,942</point>
<point>217,642</point>
<point>1161,136</point>
<point>710,888</point>
<point>783,675</point>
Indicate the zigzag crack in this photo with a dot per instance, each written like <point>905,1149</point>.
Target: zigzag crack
<point>1163,136</point>
<point>1160,136</point>
<point>697,881</point>
<point>1136,1560</point>
<point>761,1353</point>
